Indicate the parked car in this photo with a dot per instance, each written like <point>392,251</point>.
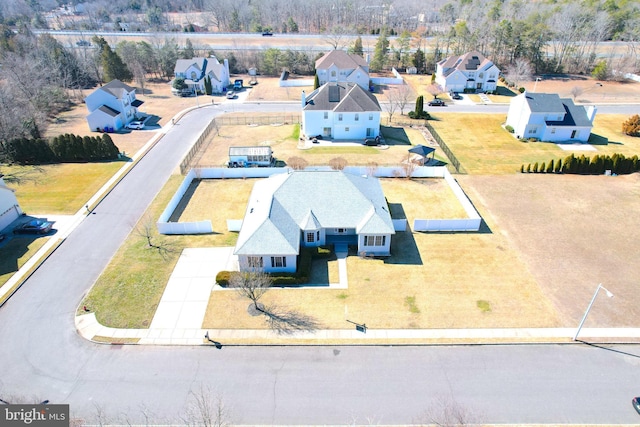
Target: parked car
<point>455,95</point>
<point>83,43</point>
<point>267,33</point>
<point>436,102</point>
<point>636,403</point>
<point>35,226</point>
<point>231,94</point>
<point>135,124</point>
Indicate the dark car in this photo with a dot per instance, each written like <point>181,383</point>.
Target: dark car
<point>436,102</point>
<point>35,226</point>
<point>636,403</point>
<point>267,33</point>
<point>455,95</point>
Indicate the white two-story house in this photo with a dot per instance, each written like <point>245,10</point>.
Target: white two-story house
<point>471,72</point>
<point>195,70</point>
<point>289,211</point>
<point>339,66</point>
<point>9,207</point>
<point>112,106</point>
<point>547,117</point>
<point>340,111</point>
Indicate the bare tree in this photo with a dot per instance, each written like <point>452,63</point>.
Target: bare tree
<point>146,228</point>
<point>336,38</point>
<point>252,284</point>
<point>338,163</point>
<point>435,89</point>
<point>206,408</point>
<point>576,91</point>
<point>519,71</point>
<point>297,163</point>
<point>409,166</point>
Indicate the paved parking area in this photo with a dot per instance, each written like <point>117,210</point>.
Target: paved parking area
<point>185,299</point>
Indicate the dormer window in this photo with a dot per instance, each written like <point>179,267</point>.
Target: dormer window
<point>193,75</point>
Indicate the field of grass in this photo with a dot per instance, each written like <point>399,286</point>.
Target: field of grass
<point>440,280</point>
<point>58,189</point>
<point>483,147</point>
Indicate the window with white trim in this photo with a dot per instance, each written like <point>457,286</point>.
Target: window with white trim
<point>278,261</point>
<point>375,240</point>
<point>255,262</point>
<point>370,116</point>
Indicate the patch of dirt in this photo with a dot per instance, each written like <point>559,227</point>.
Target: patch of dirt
<point>573,232</point>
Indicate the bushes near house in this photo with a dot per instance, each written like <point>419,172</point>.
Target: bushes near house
<point>631,126</point>
<point>419,113</point>
<point>67,148</point>
<point>509,128</point>
<point>301,276</point>
<point>597,165</point>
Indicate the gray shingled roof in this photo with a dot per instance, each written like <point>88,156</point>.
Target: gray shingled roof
<point>342,60</point>
<point>116,87</point>
<point>182,65</point>
<point>108,110</point>
<point>574,115</point>
<point>544,103</point>
<point>341,97</point>
<point>470,61</point>
<point>283,205</point>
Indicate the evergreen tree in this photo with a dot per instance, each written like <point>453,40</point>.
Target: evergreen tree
<point>292,26</point>
<point>380,52</point>
<point>558,168</point>
<point>316,82</point>
<point>543,167</point>
<point>112,65</point>
<point>550,167</point>
<point>208,89</point>
<point>356,48</point>
<point>418,60</point>
<point>188,52</point>
<point>419,106</point>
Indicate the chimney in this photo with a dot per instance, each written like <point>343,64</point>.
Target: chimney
<point>304,99</point>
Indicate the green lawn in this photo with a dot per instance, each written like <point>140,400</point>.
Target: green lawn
<point>58,189</point>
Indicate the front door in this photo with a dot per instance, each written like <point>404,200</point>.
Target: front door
<point>326,132</point>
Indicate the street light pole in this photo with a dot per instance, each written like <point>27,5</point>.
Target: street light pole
<point>609,294</point>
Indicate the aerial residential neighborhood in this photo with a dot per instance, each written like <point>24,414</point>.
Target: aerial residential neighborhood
<point>201,225</point>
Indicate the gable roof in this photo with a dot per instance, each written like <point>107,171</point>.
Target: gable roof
<point>470,61</point>
<point>573,115</point>
<point>182,65</point>
<point>116,88</point>
<point>341,97</point>
<point>342,60</point>
<point>284,204</point>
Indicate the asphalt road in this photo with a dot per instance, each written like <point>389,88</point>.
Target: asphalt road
<point>42,357</point>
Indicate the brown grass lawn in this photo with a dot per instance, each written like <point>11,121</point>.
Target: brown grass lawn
<point>484,147</point>
<point>572,232</point>
<point>440,280</point>
<point>283,139</point>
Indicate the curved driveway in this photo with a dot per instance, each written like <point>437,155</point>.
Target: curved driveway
<point>42,356</point>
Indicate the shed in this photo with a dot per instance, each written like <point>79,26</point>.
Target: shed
<point>242,157</point>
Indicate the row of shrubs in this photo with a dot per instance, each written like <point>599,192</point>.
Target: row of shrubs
<point>301,276</point>
<point>67,148</point>
<point>584,165</point>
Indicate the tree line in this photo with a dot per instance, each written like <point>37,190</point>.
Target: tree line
<point>585,165</point>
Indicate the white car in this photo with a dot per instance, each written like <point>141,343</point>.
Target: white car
<point>136,124</point>
<point>231,95</point>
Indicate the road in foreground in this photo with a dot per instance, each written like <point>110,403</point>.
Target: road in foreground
<point>43,357</point>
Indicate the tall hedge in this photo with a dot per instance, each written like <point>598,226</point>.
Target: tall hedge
<point>596,165</point>
<point>67,148</point>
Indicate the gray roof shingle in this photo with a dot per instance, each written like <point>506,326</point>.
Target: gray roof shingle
<point>283,205</point>
<point>341,97</point>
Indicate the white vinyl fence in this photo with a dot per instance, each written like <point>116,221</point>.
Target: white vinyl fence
<point>472,223</point>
